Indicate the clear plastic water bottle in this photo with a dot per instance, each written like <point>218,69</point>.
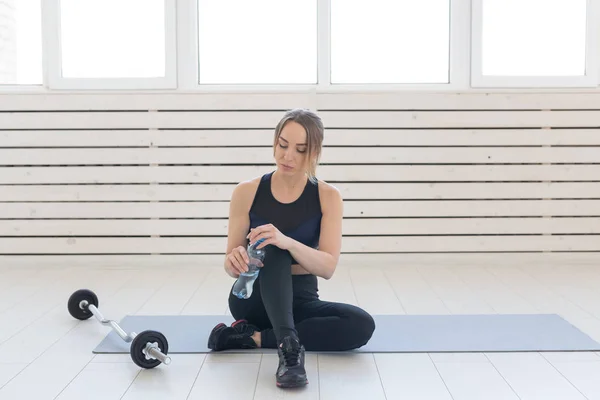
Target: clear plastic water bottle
<point>243,286</point>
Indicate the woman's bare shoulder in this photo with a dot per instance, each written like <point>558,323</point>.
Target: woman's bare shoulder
<point>245,190</point>
<point>330,195</point>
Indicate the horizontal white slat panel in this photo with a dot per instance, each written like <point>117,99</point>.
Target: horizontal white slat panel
<point>362,226</point>
<point>132,174</point>
<point>117,138</point>
<point>469,190</point>
<point>196,209</point>
<point>386,208</point>
<point>331,155</point>
<point>349,191</point>
<point>391,244</point>
<point>457,173</point>
<point>115,227</point>
<point>333,137</point>
<point>78,138</point>
<point>459,137</point>
<point>459,119</point>
<point>307,97</point>
<point>356,244</point>
<point>132,120</point>
<point>328,173</point>
<point>153,101</point>
<point>473,208</point>
<point>268,119</point>
<point>457,101</point>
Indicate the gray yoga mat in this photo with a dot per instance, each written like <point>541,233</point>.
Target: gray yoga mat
<point>393,333</point>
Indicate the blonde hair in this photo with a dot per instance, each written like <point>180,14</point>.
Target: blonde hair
<point>313,125</point>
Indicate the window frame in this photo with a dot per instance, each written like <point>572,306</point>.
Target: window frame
<point>53,59</point>
<point>189,64</point>
<point>592,67</point>
<point>182,69</point>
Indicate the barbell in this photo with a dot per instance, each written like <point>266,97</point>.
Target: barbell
<point>148,348</point>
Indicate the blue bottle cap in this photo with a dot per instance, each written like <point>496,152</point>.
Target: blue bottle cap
<point>257,243</point>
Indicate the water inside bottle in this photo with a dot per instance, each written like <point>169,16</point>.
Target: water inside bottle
<point>245,283</point>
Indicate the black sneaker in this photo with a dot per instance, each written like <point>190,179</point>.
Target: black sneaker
<point>291,372</point>
<point>242,326</point>
<point>224,337</point>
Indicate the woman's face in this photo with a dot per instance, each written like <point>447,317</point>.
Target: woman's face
<point>291,148</point>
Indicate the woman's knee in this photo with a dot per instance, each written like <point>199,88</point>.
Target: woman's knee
<point>363,326</point>
<point>236,308</point>
<point>276,256</point>
<point>245,308</point>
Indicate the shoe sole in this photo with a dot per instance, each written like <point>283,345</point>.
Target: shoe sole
<point>239,321</point>
<point>293,384</point>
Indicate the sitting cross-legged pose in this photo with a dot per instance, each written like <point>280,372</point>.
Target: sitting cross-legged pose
<point>300,219</point>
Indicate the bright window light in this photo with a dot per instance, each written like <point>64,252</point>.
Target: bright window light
<point>113,38</point>
<point>534,37</point>
<point>390,41</point>
<point>20,42</point>
<point>257,42</point>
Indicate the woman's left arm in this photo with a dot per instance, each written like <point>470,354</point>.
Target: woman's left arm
<point>323,262</point>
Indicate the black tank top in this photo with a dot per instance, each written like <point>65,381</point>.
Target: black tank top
<point>300,220</point>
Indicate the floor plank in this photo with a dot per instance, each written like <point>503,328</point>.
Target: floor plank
<point>27,344</point>
<point>539,295</point>
<point>349,376</point>
<point>102,381</point>
<point>454,293</point>
<point>374,292</point>
<point>225,381</point>
<point>580,369</point>
<point>175,294</point>
<point>339,288</point>
<point>172,382</point>
<point>413,292</point>
<point>211,296</point>
<point>499,296</point>
<point>470,376</point>
<point>9,371</point>
<point>410,376</point>
<point>533,377</point>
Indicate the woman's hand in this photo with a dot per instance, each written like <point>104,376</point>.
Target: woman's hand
<point>237,261</point>
<point>271,235</point>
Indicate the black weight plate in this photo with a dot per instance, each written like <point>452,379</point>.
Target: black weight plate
<point>139,343</point>
<point>76,298</point>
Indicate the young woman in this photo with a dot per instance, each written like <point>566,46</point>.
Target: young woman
<point>300,219</point>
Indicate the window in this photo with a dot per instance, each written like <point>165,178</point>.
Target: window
<point>20,42</point>
<point>533,43</point>
<point>257,42</point>
<point>533,37</point>
<point>112,38</point>
<point>390,41</point>
<point>111,44</point>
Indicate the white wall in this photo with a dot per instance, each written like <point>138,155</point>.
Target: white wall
<point>147,176</point>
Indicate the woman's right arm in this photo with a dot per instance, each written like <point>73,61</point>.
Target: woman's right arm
<point>236,260</point>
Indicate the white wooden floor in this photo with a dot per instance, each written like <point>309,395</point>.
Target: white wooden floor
<point>45,354</point>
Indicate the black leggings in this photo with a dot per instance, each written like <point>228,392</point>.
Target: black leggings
<point>283,304</point>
